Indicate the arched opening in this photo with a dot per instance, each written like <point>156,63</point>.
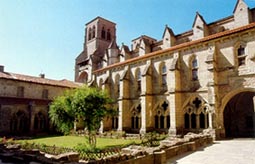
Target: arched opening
<point>83,78</point>
<point>239,115</point>
<point>40,122</point>
<point>19,122</point>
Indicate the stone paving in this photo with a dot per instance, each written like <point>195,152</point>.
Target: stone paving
<point>235,151</point>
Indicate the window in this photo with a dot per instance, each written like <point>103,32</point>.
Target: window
<point>162,117</point>
<point>108,34</point>
<point>163,74</point>
<point>103,33</point>
<point>139,78</point>
<point>94,32</point>
<point>45,93</point>
<point>117,85</point>
<point>194,69</point>
<point>136,118</point>
<point>90,34</point>
<point>20,91</point>
<point>241,55</point>
<point>196,115</point>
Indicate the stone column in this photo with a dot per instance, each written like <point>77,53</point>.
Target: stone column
<point>172,130</point>
<point>146,98</point>
<point>123,101</point>
<point>254,114</point>
<point>31,108</point>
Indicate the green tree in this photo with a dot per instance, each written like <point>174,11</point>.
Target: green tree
<point>86,104</point>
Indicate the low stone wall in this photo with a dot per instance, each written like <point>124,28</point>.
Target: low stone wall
<point>169,148</point>
<point>133,154</point>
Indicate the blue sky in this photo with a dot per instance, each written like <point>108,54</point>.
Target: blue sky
<point>45,36</point>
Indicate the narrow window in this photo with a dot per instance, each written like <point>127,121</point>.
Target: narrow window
<point>45,93</point>
<point>193,121</point>
<point>163,74</point>
<point>20,91</point>
<point>90,34</point>
<point>108,34</point>
<point>186,120</point>
<point>162,121</point>
<point>241,55</point>
<point>168,121</point>
<point>194,69</point>
<point>94,32</point>
<point>202,120</point>
<point>139,78</point>
<point>103,33</point>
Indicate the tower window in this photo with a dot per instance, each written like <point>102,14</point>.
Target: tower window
<point>108,34</point>
<point>90,33</point>
<point>103,33</point>
<point>94,32</point>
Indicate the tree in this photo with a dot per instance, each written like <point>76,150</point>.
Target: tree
<point>86,104</point>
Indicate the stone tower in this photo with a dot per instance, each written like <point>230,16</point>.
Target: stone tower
<point>99,35</point>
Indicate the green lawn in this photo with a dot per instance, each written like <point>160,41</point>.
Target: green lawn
<point>72,141</point>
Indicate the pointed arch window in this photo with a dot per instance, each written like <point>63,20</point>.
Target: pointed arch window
<point>194,69</point>
<point>162,117</point>
<point>196,115</point>
<point>241,55</point>
<point>93,32</point>
<point>136,117</point>
<point>90,34</point>
<point>108,34</point>
<point>103,33</point>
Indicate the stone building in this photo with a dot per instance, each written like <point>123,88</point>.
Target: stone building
<point>24,102</point>
<point>199,79</point>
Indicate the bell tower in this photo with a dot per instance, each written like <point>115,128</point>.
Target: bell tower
<point>99,33</point>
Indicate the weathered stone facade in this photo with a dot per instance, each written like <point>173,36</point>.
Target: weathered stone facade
<point>24,102</point>
<point>186,82</point>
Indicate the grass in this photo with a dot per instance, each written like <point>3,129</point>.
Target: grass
<point>72,141</point>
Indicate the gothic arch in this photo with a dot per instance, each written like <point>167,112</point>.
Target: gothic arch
<point>196,113</point>
<point>136,116</point>
<point>19,122</point>
<point>161,113</point>
<point>40,121</point>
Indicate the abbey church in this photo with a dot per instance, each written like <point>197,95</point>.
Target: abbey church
<point>199,79</point>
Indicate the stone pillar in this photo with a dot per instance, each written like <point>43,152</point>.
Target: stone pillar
<point>210,120</point>
<point>172,130</point>
<point>31,110</point>
<point>123,101</point>
<point>120,121</point>
<point>254,114</point>
<point>143,115</point>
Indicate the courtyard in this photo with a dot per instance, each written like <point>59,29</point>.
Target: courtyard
<point>234,151</point>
